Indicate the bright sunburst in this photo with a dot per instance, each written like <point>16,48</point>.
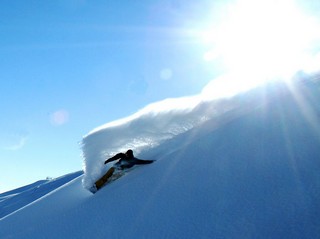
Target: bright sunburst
<point>264,38</point>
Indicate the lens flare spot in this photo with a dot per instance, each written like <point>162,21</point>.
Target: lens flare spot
<point>59,117</point>
<point>166,74</point>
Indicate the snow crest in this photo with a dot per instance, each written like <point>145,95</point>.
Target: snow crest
<point>154,124</point>
<point>144,130</point>
<point>147,128</point>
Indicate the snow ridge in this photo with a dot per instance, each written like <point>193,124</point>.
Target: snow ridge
<point>160,122</point>
<point>142,131</point>
<point>15,199</point>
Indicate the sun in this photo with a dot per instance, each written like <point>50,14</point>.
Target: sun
<point>264,38</point>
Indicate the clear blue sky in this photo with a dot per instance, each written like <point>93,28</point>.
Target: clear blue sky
<point>68,66</point>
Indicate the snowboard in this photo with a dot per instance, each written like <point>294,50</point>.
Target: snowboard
<point>114,173</point>
<point>111,175</point>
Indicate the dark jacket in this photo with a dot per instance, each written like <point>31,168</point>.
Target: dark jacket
<point>126,160</point>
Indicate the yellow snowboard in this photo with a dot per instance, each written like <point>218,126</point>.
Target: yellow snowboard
<point>99,183</point>
<point>109,176</point>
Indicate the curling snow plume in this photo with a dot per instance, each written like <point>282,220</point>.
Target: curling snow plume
<point>150,127</point>
<point>143,130</point>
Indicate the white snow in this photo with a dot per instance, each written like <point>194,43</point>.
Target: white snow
<point>155,124</point>
<point>13,200</point>
<point>242,167</point>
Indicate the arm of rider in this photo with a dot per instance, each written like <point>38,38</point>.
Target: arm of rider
<point>116,157</point>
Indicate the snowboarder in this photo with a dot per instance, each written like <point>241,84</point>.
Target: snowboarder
<point>126,160</point>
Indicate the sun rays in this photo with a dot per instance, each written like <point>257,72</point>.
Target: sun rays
<point>262,40</point>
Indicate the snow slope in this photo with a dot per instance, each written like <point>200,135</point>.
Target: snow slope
<point>250,172</point>
<point>15,199</point>
<point>156,124</point>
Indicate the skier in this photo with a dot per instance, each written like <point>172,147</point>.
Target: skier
<point>126,160</point>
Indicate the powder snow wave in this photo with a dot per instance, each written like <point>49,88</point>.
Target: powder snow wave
<point>150,127</point>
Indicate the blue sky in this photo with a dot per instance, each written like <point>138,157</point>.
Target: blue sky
<point>67,67</point>
<point>70,66</point>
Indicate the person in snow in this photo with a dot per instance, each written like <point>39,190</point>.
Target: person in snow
<point>125,160</point>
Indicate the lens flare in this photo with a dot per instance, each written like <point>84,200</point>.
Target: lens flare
<point>59,117</point>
